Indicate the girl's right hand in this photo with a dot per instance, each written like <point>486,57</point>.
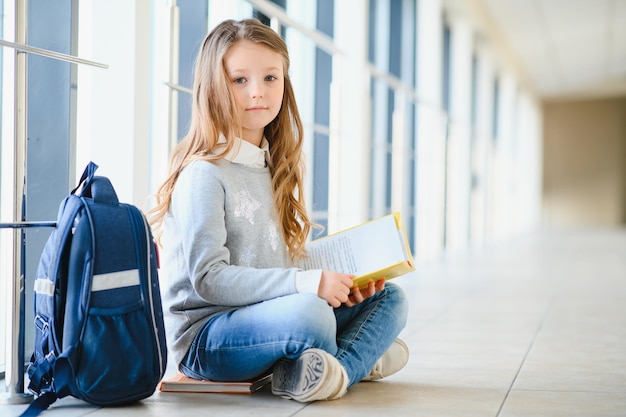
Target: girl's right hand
<point>335,287</point>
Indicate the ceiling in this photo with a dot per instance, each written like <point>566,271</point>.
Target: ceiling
<point>561,48</point>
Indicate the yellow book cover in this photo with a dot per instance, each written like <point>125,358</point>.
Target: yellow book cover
<point>372,250</point>
<point>182,383</point>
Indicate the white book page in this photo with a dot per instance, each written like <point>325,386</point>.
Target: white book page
<point>363,249</point>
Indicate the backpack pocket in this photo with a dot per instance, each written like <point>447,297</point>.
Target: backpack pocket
<point>117,362</point>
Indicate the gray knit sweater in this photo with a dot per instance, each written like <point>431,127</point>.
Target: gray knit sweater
<point>222,248</point>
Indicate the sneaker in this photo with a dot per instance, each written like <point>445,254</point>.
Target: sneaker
<point>391,362</point>
<point>315,375</point>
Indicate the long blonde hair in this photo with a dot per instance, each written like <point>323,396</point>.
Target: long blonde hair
<point>214,113</point>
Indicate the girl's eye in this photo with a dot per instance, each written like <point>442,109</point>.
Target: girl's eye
<point>270,78</point>
<point>239,80</point>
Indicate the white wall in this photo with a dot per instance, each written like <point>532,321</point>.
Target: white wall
<point>113,104</point>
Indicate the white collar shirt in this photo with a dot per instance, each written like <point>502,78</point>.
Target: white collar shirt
<point>245,153</point>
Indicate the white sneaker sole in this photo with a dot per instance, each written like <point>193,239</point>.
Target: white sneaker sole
<point>304,379</point>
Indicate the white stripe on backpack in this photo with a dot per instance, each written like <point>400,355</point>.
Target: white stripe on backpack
<point>44,286</point>
<point>100,282</point>
<point>114,280</point>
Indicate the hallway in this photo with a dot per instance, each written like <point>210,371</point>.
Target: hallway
<point>530,327</point>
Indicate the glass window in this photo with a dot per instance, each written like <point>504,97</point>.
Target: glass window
<point>382,108</point>
<point>193,29</point>
<point>321,146</point>
<point>51,131</point>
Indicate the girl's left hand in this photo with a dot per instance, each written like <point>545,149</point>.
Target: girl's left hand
<point>357,296</point>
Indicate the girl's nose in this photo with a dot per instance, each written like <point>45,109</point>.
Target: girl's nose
<point>256,90</point>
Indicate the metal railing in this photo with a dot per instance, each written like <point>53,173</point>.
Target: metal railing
<point>51,54</point>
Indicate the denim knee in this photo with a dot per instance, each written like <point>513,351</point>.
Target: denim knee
<point>396,296</point>
<point>313,324</point>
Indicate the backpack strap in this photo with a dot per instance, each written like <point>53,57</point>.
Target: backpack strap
<point>87,177</point>
<point>40,373</point>
<point>39,405</point>
<point>64,375</point>
<point>41,370</point>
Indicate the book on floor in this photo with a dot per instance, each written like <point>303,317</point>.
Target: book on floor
<point>371,251</point>
<point>182,383</point>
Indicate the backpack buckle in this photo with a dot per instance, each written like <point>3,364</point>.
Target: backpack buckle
<point>41,323</point>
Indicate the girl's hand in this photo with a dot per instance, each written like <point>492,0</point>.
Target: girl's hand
<point>335,287</point>
<point>357,296</point>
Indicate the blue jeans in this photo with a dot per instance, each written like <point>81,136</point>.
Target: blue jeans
<point>244,343</point>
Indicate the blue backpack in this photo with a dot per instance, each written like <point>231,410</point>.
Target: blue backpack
<point>99,333</point>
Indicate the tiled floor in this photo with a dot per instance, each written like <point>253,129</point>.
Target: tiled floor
<point>531,327</point>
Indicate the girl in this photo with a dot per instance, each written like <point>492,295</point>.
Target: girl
<point>231,220</point>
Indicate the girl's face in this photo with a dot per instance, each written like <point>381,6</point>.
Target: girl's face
<point>255,73</point>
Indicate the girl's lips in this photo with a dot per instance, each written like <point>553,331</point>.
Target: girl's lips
<point>256,108</point>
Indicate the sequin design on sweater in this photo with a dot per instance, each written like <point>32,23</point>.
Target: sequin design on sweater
<point>247,256</point>
<point>245,205</point>
<point>273,236</point>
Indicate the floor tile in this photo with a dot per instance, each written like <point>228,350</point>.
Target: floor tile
<point>563,404</point>
<point>403,398</point>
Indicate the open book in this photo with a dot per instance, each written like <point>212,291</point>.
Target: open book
<point>182,383</point>
<point>371,251</point>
